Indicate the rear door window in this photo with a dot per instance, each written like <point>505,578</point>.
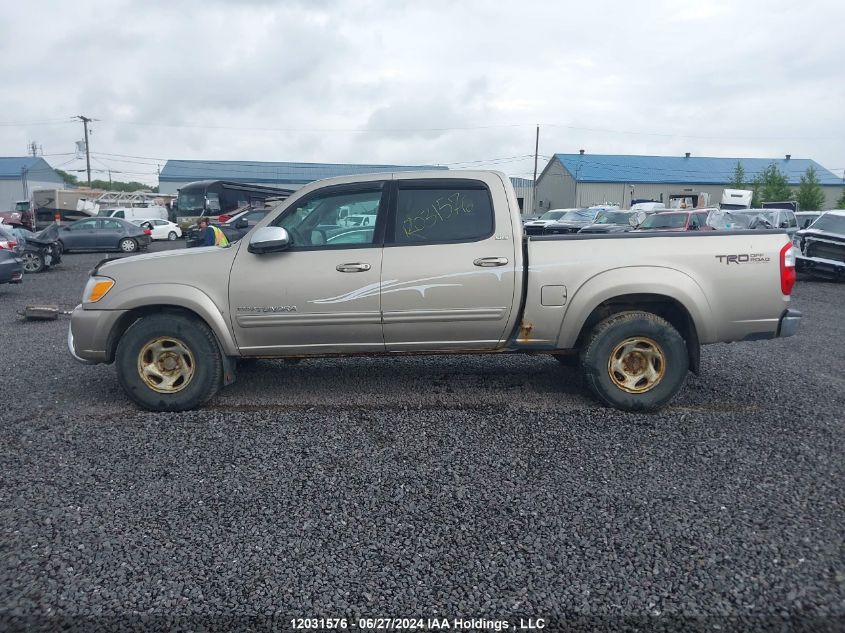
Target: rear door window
<point>458,211</point>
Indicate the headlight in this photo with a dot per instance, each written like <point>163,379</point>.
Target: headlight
<point>96,289</point>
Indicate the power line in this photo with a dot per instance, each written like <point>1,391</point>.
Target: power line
<point>28,123</point>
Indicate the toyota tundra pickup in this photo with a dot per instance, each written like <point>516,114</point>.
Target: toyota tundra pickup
<point>444,267</point>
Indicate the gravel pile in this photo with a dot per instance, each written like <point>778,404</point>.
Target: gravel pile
<point>424,487</point>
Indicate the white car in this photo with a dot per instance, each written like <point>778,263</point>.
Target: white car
<point>161,229</point>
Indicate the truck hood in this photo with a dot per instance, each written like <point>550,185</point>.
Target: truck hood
<point>176,266</point>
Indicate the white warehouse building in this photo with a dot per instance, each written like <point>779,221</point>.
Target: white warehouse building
<point>582,180</point>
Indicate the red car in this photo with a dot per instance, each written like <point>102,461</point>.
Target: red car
<point>693,220</point>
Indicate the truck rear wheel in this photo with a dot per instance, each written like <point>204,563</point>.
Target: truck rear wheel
<point>169,362</point>
<point>635,361</point>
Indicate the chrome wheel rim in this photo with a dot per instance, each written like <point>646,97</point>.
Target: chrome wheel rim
<point>127,246</point>
<point>637,365</point>
<point>30,262</point>
<point>166,365</point>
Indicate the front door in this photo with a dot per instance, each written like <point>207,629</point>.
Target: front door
<point>81,235</point>
<point>447,282</point>
<point>321,296</point>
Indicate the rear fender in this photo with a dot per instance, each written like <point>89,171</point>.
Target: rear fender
<point>631,280</point>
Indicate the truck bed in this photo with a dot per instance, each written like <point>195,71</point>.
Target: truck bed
<point>724,279</point>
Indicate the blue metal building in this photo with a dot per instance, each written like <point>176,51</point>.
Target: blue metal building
<point>177,173</point>
<point>575,180</point>
<point>20,175</point>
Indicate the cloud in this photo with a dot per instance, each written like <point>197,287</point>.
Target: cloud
<point>391,82</point>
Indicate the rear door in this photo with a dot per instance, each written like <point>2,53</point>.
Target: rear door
<point>109,233</point>
<point>322,294</point>
<point>447,278</point>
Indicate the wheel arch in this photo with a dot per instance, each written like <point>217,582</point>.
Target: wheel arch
<point>174,298</point>
<point>667,293</point>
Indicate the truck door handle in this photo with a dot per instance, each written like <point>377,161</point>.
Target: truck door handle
<point>352,268</point>
<point>487,262</point>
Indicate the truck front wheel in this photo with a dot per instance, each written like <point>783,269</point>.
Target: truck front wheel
<point>635,361</point>
<point>169,362</point>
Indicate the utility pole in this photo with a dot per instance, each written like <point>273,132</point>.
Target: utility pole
<point>85,121</point>
<point>534,182</point>
<point>33,149</point>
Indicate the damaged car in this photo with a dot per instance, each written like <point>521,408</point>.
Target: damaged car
<point>38,251</point>
<point>822,247</point>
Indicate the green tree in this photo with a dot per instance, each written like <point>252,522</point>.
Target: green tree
<point>118,185</point>
<point>810,193</point>
<point>771,185</point>
<point>840,204</point>
<point>738,180</point>
<point>69,179</point>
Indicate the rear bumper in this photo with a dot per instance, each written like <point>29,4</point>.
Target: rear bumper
<point>11,271</point>
<point>789,322</point>
<point>827,267</point>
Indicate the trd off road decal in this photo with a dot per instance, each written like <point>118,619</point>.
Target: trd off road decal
<point>744,258</point>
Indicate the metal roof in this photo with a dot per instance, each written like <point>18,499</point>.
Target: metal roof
<point>11,167</point>
<point>700,170</point>
<point>266,172</point>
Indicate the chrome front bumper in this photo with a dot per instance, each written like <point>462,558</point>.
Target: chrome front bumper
<point>73,350</point>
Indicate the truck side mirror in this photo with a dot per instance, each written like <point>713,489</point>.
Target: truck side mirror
<point>269,239</point>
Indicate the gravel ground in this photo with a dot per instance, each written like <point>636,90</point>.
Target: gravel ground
<point>457,487</point>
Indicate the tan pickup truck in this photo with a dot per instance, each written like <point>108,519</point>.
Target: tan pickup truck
<point>442,267</point>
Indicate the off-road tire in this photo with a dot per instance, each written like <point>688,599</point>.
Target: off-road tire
<point>127,245</point>
<point>33,262</point>
<point>196,336</point>
<point>612,332</point>
<point>172,236</point>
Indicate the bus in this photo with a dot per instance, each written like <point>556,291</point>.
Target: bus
<point>211,198</point>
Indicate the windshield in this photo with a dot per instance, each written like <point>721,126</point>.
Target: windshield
<point>613,217</point>
<point>578,215</point>
<point>552,215</point>
<point>665,221</point>
<point>188,204</point>
<point>830,222</point>
<point>21,206</point>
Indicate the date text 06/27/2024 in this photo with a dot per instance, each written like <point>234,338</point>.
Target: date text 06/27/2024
<point>417,624</point>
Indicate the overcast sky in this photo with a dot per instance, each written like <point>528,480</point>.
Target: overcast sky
<point>421,82</point>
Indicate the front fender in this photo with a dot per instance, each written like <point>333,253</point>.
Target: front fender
<point>178,295</point>
<point>653,280</point>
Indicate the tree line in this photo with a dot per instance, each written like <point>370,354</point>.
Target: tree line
<point>107,185</point>
<point>772,185</point>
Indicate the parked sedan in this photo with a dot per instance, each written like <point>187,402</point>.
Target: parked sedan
<point>161,229</point>
<point>676,221</point>
<point>104,234</point>
<point>614,222</point>
<point>572,221</point>
<point>11,269</point>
